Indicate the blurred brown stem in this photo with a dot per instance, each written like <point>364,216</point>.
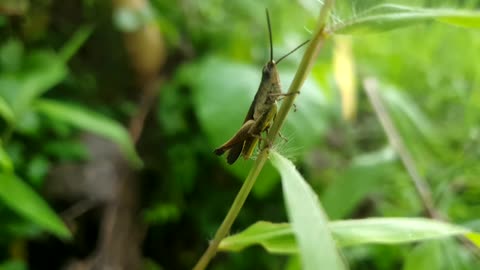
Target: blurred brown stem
<point>421,186</point>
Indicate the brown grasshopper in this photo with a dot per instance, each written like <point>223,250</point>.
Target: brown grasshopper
<point>262,110</point>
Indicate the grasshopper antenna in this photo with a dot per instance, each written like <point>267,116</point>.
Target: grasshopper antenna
<point>292,51</point>
<point>270,34</point>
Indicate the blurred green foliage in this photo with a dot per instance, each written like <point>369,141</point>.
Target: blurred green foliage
<point>63,69</point>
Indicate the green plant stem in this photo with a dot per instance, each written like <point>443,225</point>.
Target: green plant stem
<point>233,212</point>
<point>303,70</point>
<point>306,65</point>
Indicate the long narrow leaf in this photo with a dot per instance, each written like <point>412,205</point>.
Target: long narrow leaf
<point>309,221</point>
<point>279,237</point>
<point>93,122</point>
<point>274,237</point>
<point>389,17</point>
<point>6,163</point>
<point>392,230</point>
<point>22,199</point>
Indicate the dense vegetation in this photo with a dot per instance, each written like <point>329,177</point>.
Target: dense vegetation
<point>110,111</point>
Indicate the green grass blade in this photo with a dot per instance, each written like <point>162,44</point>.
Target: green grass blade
<point>22,199</point>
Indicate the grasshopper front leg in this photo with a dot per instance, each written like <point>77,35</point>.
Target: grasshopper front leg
<point>281,96</point>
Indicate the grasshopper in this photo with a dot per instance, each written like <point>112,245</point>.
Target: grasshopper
<point>262,110</point>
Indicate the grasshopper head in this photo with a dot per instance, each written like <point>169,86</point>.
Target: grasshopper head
<point>269,72</point>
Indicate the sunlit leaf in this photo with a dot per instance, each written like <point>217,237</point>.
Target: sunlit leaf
<point>391,230</point>
<point>21,198</point>
<point>91,121</point>
<point>345,76</point>
<point>308,219</point>
<point>38,73</point>
<point>474,238</point>
<point>388,17</point>
<point>279,237</point>
<point>274,237</point>
<point>41,71</point>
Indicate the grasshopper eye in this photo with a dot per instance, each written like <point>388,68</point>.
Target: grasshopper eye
<point>266,71</point>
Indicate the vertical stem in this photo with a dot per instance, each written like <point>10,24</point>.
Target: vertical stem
<point>421,186</point>
<point>233,212</point>
<point>396,141</point>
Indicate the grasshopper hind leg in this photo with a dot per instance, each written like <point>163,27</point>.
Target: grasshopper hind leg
<point>236,143</point>
<point>234,153</point>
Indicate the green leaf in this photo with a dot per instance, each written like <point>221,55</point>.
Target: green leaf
<point>392,230</point>
<point>5,111</point>
<point>75,42</point>
<point>11,54</point>
<point>388,17</point>
<point>474,238</point>
<point>41,71</point>
<point>425,256</point>
<point>274,237</point>
<point>93,122</point>
<point>161,213</point>
<point>17,195</point>
<point>308,219</point>
<point>356,182</point>
<point>279,237</point>
<point>6,163</point>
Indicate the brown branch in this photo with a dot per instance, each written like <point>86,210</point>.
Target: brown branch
<point>421,186</point>
<point>147,100</point>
